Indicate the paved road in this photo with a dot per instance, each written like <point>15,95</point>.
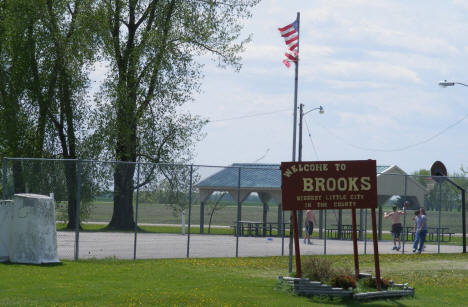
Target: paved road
<point>101,245</point>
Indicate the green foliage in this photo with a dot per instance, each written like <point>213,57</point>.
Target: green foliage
<point>446,195</point>
<point>371,282</point>
<point>344,281</point>
<point>322,269</point>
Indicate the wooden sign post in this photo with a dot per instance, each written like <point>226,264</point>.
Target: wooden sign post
<point>331,185</point>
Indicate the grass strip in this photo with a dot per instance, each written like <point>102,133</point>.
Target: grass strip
<point>218,282</point>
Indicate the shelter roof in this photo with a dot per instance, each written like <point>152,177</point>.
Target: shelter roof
<point>252,175</point>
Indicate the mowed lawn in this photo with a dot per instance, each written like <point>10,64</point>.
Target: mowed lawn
<point>440,280</point>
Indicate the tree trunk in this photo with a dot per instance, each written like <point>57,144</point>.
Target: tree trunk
<point>122,216</point>
<point>18,179</point>
<point>70,175</point>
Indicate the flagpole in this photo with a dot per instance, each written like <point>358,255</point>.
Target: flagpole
<point>294,215</point>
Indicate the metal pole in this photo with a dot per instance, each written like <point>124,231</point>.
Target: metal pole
<point>299,215</point>
<point>325,232</point>
<point>294,138</point>
<point>4,179</point>
<point>404,215</point>
<point>295,92</point>
<point>283,230</point>
<point>77,208</point>
<point>301,115</point>
<point>464,221</point>
<point>463,212</point>
<point>440,212</point>
<point>189,211</point>
<point>238,211</point>
<point>136,212</point>
<point>365,234</point>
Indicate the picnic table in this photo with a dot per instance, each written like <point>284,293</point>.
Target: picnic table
<point>445,235</point>
<point>258,229</point>
<point>346,232</point>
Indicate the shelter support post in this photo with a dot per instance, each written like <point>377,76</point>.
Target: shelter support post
<point>320,224</point>
<point>300,222</point>
<point>202,216</point>
<point>380,221</point>
<point>265,212</point>
<point>340,224</point>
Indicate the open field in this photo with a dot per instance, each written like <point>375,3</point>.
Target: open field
<point>162,214</point>
<point>218,282</point>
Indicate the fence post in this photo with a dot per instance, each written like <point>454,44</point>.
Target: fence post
<point>77,208</point>
<point>4,179</point>
<point>283,230</point>
<point>404,215</point>
<point>189,210</point>
<point>324,231</point>
<point>238,210</point>
<point>440,212</point>
<point>365,234</point>
<point>136,211</point>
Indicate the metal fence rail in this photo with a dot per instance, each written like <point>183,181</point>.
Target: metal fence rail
<point>229,211</point>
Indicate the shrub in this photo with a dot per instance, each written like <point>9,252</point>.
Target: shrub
<point>371,282</point>
<point>344,281</point>
<point>321,269</point>
<point>318,269</point>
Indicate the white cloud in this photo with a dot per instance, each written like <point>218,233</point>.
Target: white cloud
<point>362,71</point>
<point>374,65</point>
<point>461,3</point>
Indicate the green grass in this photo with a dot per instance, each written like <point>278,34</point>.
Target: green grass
<point>218,282</point>
<point>162,214</point>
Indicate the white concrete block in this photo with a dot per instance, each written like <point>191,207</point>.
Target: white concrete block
<point>6,211</point>
<point>33,236</point>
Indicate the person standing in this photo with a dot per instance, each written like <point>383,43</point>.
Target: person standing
<point>309,225</point>
<point>420,231</point>
<point>396,226</point>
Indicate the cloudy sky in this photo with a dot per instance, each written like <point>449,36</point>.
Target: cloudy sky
<point>373,65</point>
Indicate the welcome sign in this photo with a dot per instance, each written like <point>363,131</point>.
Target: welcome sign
<point>329,185</point>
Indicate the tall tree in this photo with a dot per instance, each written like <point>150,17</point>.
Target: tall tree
<point>19,136</point>
<point>71,46</point>
<point>152,46</point>
<point>49,44</point>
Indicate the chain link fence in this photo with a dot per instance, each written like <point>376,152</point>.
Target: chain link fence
<point>144,210</point>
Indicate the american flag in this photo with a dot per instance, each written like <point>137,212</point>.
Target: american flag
<point>290,33</point>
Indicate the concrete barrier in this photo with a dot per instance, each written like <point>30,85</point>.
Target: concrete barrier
<point>6,213</point>
<point>33,236</point>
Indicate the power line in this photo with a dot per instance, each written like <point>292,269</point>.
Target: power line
<point>402,148</point>
<point>248,116</point>
<point>311,141</point>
